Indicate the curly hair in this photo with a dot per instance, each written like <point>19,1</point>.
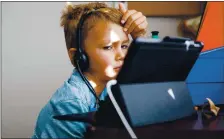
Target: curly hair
<point>72,14</point>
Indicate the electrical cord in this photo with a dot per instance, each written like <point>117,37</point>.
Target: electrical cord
<point>88,84</point>
<point>114,102</point>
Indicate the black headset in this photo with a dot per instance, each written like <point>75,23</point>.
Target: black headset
<point>80,59</point>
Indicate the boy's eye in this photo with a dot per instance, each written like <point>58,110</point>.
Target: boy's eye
<point>107,47</point>
<point>124,46</point>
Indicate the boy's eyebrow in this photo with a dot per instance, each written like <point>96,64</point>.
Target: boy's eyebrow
<point>106,41</point>
<point>126,41</point>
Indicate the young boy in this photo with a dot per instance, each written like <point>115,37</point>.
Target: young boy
<point>105,42</point>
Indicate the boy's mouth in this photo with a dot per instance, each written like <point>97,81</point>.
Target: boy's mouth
<point>117,68</point>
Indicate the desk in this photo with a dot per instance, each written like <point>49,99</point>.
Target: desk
<point>189,128</point>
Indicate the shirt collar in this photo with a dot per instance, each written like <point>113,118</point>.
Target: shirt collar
<point>76,78</point>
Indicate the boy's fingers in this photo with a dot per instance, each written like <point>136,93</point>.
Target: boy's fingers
<point>140,33</point>
<point>136,23</point>
<point>122,8</point>
<point>141,27</point>
<point>126,15</point>
<point>132,20</point>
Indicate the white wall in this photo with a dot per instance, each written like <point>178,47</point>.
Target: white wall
<point>1,70</point>
<point>166,26</point>
<point>35,61</point>
<point>34,64</point>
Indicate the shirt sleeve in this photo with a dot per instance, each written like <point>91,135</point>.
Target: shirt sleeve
<point>67,129</point>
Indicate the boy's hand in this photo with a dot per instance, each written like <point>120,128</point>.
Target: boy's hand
<point>134,22</point>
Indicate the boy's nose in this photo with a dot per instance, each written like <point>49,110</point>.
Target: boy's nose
<point>120,54</point>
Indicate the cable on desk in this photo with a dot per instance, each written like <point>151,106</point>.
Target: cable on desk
<point>123,119</point>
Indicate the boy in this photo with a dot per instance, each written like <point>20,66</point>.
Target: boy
<point>105,42</point>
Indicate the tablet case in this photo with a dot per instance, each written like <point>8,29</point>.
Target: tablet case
<point>146,100</point>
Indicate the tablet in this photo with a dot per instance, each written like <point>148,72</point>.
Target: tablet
<point>151,85</point>
<point>150,60</point>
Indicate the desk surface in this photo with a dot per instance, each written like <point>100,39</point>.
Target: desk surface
<point>189,128</point>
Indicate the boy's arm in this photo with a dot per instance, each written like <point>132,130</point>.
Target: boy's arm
<point>67,129</point>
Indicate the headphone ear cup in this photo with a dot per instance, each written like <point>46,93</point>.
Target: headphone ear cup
<point>82,60</point>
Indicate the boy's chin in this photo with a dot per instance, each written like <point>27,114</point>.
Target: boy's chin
<point>112,77</point>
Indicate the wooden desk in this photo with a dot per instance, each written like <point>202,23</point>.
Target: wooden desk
<point>190,128</point>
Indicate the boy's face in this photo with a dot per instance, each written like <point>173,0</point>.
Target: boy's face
<point>106,45</point>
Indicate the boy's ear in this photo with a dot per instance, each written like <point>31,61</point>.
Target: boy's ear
<point>71,53</point>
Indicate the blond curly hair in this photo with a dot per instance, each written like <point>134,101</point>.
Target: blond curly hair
<point>72,14</point>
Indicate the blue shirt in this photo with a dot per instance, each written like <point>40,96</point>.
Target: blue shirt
<point>73,96</point>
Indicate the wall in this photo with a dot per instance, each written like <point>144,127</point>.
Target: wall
<point>1,69</point>
<point>167,26</point>
<point>163,8</point>
<point>35,61</point>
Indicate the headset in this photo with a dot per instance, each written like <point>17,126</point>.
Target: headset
<point>80,59</point>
